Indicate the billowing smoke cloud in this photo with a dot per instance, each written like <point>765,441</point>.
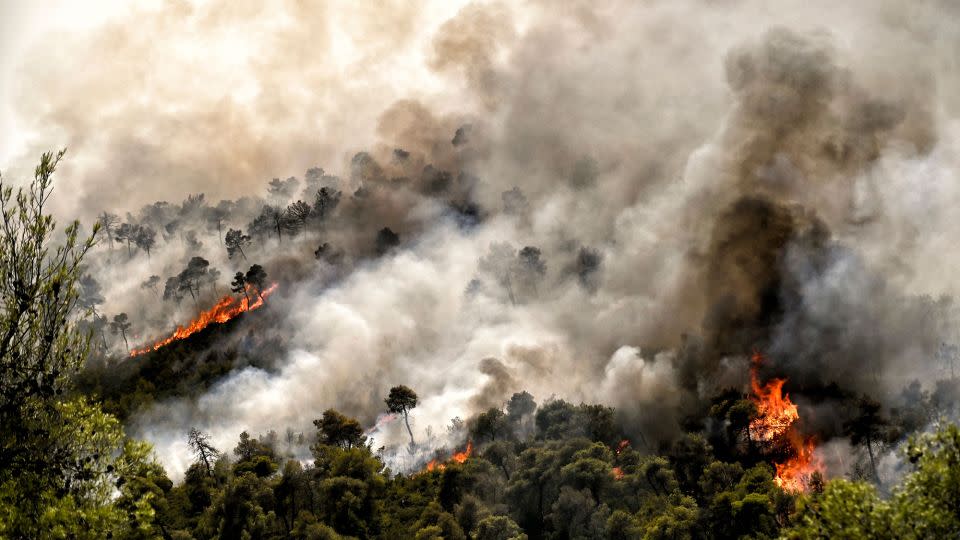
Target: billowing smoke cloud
<point>609,203</point>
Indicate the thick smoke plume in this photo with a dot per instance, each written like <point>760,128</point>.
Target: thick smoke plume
<point>612,203</point>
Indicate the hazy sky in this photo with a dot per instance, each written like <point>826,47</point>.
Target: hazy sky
<point>194,92</point>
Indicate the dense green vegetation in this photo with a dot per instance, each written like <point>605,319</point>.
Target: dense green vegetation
<point>557,470</point>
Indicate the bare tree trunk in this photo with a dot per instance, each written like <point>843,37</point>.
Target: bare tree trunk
<point>194,296</point>
<point>407,422</point>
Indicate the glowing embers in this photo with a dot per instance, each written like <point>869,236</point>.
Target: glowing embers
<point>775,425</point>
<point>457,457</point>
<point>227,308</point>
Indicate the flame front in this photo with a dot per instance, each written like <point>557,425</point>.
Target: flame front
<point>776,418</point>
<point>460,457</point>
<point>794,474</point>
<point>227,308</point>
<point>457,457</point>
<point>775,412</point>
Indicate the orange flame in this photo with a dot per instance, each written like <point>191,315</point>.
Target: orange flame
<point>617,473</point>
<point>222,312</point>
<point>460,457</point>
<point>457,457</point>
<point>776,416</point>
<point>775,412</point>
<point>622,446</point>
<point>794,474</point>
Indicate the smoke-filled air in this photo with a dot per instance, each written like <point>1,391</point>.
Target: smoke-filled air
<point>480,270</point>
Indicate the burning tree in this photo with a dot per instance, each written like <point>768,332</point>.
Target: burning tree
<point>256,276</point>
<point>239,285</point>
<point>774,424</point>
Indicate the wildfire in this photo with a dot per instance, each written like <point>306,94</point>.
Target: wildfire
<point>794,474</point>
<point>617,473</point>
<point>775,412</point>
<point>460,457</point>
<point>776,416</point>
<point>457,457</point>
<point>622,445</point>
<point>227,308</point>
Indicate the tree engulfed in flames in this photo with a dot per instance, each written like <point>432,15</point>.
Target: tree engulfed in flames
<point>776,416</point>
<point>227,308</point>
<point>457,457</point>
<point>775,412</point>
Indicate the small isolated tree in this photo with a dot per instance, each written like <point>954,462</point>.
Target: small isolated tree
<point>126,233</point>
<point>297,215</point>
<point>277,218</point>
<point>256,276</point>
<point>868,429</point>
<point>90,294</point>
<point>235,240</point>
<point>108,224</point>
<point>205,452</point>
<point>325,203</point>
<point>402,400</point>
<point>239,285</point>
<point>520,407</point>
<point>211,279</point>
<point>193,276</point>
<point>145,238</point>
<point>152,283</point>
<point>215,217</point>
<point>281,190</point>
<point>172,290</point>
<point>120,325</point>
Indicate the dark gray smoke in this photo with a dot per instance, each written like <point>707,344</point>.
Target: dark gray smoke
<point>613,203</point>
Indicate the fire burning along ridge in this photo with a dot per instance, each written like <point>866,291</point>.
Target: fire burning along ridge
<point>227,308</point>
<point>776,421</point>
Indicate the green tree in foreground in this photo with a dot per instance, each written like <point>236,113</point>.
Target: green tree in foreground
<point>66,468</point>
<point>926,504</point>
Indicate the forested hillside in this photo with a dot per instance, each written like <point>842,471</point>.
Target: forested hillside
<point>481,270</point>
<point>521,470</point>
